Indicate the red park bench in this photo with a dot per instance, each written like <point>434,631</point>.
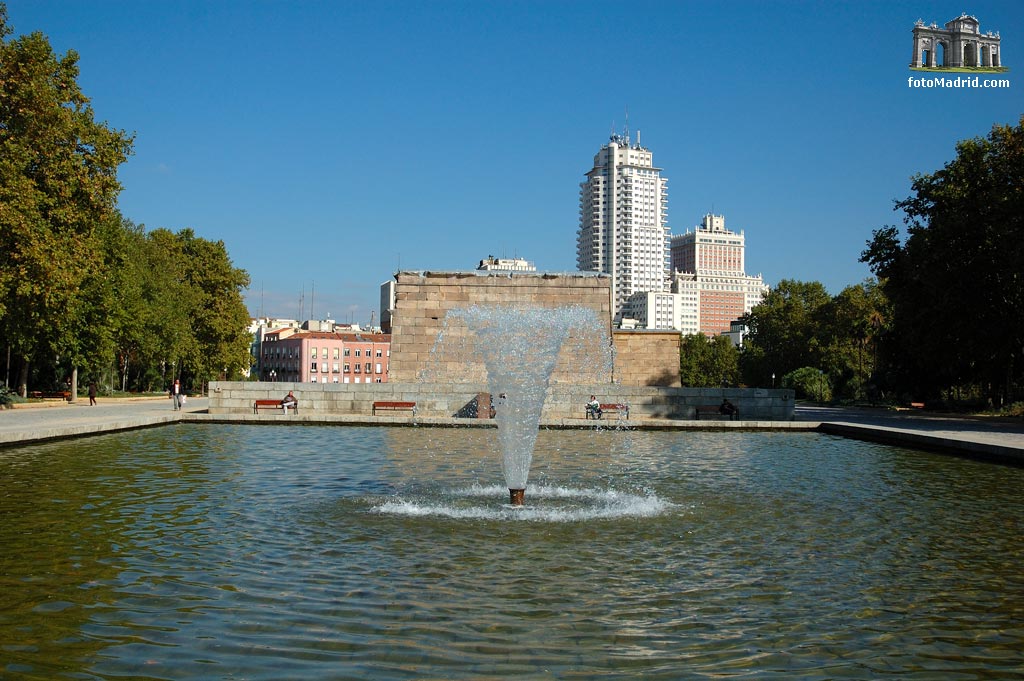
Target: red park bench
<point>713,410</point>
<point>44,395</point>
<point>271,404</point>
<point>393,406</point>
<point>616,408</point>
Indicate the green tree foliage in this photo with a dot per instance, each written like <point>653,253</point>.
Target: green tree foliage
<point>182,312</point>
<point>58,183</point>
<point>708,362</point>
<point>799,326</point>
<point>850,328</point>
<point>218,318</point>
<point>782,331</point>
<point>957,282</point>
<point>80,286</point>
<point>809,383</point>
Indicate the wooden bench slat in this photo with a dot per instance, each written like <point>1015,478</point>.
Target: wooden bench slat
<point>276,404</point>
<point>50,395</point>
<point>712,410</point>
<point>393,406</point>
<point>612,408</point>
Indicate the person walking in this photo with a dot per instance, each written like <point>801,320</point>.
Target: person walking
<point>176,394</point>
<point>92,393</point>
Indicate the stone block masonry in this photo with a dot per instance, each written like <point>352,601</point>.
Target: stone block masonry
<point>446,399</point>
<point>647,358</point>
<point>424,299</point>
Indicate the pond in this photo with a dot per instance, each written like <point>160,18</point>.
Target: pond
<point>273,552</point>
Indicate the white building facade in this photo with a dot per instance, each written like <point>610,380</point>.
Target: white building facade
<point>709,288</point>
<point>623,224</point>
<point>710,262</point>
<point>492,264</point>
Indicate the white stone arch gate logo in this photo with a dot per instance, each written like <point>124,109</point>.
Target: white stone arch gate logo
<point>958,46</point>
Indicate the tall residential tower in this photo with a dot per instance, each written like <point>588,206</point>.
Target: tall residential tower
<point>623,228</point>
<point>709,262</point>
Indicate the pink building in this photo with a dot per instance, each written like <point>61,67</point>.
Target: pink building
<point>321,357</point>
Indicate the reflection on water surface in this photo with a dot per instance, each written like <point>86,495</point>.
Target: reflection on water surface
<point>260,552</point>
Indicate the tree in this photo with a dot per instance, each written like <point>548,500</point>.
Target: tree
<point>58,183</point>
<point>809,383</point>
<point>957,282</point>
<point>708,362</point>
<point>219,318</point>
<point>850,328</point>
<point>783,331</point>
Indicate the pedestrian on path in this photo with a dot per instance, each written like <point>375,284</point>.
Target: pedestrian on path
<point>92,393</point>
<point>176,395</point>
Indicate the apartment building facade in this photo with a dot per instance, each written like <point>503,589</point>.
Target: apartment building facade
<point>325,357</point>
<point>623,224</point>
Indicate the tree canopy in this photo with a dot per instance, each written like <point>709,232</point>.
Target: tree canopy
<point>708,362</point>
<point>956,281</point>
<point>799,326</point>
<point>79,284</point>
<point>58,183</point>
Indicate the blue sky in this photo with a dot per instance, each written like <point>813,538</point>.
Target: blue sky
<point>329,144</point>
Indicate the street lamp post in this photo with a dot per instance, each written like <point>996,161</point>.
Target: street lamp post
<point>773,379</point>
<point>273,376</point>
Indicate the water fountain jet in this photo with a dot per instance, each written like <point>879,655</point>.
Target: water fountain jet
<point>520,348</point>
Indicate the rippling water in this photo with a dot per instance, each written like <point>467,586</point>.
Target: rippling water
<point>255,552</point>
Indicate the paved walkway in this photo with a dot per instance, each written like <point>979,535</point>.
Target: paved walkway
<point>57,419</point>
<point>997,439</point>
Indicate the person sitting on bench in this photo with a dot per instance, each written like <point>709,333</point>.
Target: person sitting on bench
<point>289,401</point>
<point>594,407</point>
<point>728,409</point>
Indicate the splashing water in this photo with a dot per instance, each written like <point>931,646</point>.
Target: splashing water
<point>520,348</point>
<point>565,505</point>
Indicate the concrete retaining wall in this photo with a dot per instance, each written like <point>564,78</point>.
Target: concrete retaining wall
<point>449,399</point>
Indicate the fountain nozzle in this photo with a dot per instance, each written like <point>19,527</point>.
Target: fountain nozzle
<point>516,496</point>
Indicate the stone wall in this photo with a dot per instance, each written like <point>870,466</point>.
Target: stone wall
<point>424,299</point>
<point>449,399</point>
<point>647,358</point>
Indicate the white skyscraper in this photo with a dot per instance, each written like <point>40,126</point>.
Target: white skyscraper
<point>623,228</point>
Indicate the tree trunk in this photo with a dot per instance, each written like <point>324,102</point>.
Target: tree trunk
<point>74,385</point>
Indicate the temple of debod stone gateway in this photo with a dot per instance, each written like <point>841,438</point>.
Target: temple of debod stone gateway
<point>643,371</point>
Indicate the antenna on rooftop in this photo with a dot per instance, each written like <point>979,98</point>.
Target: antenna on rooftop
<point>626,129</point>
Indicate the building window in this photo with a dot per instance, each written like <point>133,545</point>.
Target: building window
<point>312,352</point>
<point>369,368</point>
<point>346,368</point>
<point>335,353</point>
<point>378,352</point>
<point>347,351</point>
<point>380,369</point>
<point>358,351</point>
<point>312,367</point>
<point>357,368</point>
<point>335,368</point>
<point>323,367</point>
